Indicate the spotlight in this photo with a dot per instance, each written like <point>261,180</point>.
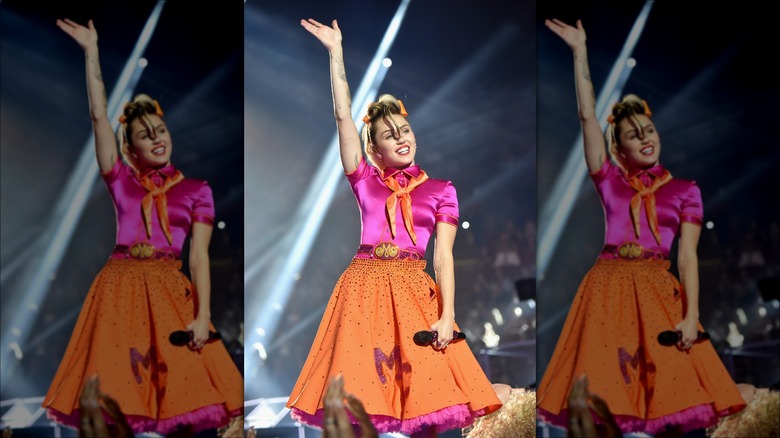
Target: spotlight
<point>387,62</point>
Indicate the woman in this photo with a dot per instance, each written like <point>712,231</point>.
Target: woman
<point>140,298</point>
<point>629,297</point>
<point>385,297</point>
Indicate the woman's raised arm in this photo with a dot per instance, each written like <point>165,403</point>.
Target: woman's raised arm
<point>105,143</point>
<point>349,140</point>
<point>593,139</point>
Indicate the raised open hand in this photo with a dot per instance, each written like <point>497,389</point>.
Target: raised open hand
<point>336,423</point>
<point>356,408</point>
<point>330,37</point>
<point>86,37</point>
<point>573,36</point>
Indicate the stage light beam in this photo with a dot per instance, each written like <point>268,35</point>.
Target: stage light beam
<point>67,211</point>
<point>277,285</point>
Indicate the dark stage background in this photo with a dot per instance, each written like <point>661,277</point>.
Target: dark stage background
<point>466,74</point>
<point>705,73</point>
<point>195,59</point>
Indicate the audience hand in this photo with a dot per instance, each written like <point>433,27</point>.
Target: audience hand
<point>92,403</point>
<point>336,422</point>
<point>581,423</point>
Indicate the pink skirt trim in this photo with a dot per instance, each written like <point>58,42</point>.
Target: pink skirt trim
<point>207,417</point>
<point>452,417</point>
<point>696,417</point>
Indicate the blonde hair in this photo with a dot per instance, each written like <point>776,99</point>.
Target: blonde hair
<point>761,417</point>
<point>384,107</point>
<point>628,108</point>
<point>141,107</point>
<point>516,418</point>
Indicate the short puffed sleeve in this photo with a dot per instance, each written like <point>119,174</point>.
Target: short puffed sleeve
<point>120,170</point>
<point>364,170</point>
<point>203,205</point>
<point>691,209</point>
<point>447,209</point>
<point>607,170</point>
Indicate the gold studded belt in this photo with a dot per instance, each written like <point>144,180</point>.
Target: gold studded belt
<point>632,251</point>
<point>143,251</point>
<point>388,251</point>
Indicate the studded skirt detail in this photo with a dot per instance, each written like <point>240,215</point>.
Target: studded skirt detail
<point>122,335</point>
<point>611,335</point>
<point>366,335</point>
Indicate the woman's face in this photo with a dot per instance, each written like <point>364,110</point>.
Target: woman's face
<point>639,146</point>
<point>394,147</point>
<point>150,145</point>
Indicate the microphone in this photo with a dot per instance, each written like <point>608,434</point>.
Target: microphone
<point>426,337</point>
<point>668,338</point>
<point>181,338</point>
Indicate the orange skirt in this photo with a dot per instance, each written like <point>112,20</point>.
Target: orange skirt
<point>611,336</point>
<point>122,336</point>
<point>366,334</point>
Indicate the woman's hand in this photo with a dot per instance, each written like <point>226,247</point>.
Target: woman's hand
<point>330,37</point>
<point>573,36</point>
<point>113,410</point>
<point>600,407</point>
<point>92,404</point>
<point>336,423</point>
<point>86,37</point>
<point>580,420</point>
<point>92,422</point>
<point>355,407</point>
<point>444,328</point>
<point>200,332</point>
<point>688,328</point>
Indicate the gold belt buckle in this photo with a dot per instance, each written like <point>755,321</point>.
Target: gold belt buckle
<point>386,251</point>
<point>142,250</point>
<point>630,250</point>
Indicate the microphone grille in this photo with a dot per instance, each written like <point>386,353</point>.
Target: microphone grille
<point>668,338</point>
<point>179,338</point>
<point>422,338</point>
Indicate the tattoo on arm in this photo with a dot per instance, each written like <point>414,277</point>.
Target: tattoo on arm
<point>601,158</point>
<point>357,160</point>
<point>96,70</point>
<point>584,71</point>
<point>340,72</point>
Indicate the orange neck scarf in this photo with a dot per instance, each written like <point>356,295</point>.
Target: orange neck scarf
<point>648,195</point>
<point>157,196</point>
<point>402,193</point>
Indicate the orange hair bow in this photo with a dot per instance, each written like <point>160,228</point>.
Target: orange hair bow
<point>648,113</point>
<point>401,111</point>
<point>157,110</point>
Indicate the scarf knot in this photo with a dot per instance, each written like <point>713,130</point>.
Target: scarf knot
<point>156,197</point>
<point>402,194</point>
<point>646,195</point>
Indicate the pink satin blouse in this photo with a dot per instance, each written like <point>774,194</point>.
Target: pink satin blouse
<point>188,201</point>
<point>677,201</point>
<point>433,201</point>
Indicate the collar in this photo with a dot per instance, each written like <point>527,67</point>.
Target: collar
<point>655,172</point>
<point>166,172</point>
<point>410,172</point>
